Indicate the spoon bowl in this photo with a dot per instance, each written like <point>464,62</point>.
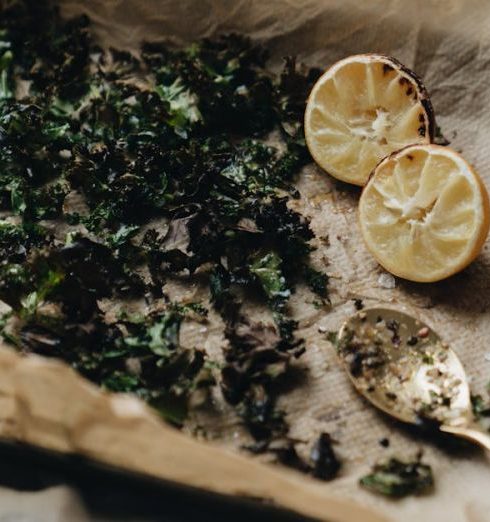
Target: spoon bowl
<point>405,369</point>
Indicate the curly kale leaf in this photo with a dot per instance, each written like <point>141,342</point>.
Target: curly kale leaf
<point>169,158</point>
<point>267,269</point>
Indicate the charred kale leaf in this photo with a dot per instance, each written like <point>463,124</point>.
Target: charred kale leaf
<point>322,463</point>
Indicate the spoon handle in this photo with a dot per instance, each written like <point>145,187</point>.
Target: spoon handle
<point>473,433</point>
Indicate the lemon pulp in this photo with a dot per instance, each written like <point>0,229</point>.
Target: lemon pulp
<point>424,213</point>
<point>362,109</point>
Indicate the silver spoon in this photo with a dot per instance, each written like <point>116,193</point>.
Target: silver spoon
<point>403,367</point>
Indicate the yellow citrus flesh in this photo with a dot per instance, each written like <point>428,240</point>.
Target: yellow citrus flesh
<point>424,213</point>
<point>362,109</point>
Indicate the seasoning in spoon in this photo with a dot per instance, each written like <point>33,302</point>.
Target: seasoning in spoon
<point>403,367</point>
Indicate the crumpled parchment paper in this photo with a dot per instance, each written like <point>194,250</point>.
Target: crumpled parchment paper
<point>447,42</point>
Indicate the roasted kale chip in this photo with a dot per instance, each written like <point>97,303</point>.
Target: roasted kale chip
<point>322,463</point>
<point>118,174</point>
<point>481,407</point>
<point>325,464</point>
<point>396,478</point>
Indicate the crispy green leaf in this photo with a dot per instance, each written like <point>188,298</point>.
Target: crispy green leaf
<point>267,269</point>
<point>396,478</point>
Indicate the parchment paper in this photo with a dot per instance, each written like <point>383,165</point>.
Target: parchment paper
<point>448,44</point>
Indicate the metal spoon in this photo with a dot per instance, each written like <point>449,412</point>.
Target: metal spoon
<point>403,367</point>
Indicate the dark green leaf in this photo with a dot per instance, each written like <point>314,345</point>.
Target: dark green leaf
<point>396,478</point>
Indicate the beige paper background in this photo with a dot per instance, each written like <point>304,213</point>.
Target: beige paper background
<point>448,44</point>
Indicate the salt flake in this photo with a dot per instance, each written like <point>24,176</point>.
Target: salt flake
<point>386,280</point>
